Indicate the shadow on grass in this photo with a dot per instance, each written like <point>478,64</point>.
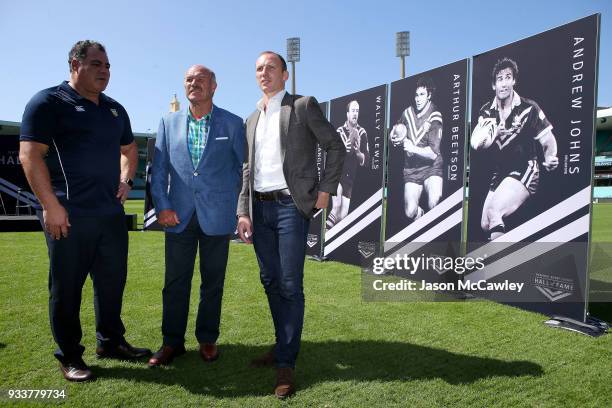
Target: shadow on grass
<point>601,310</point>
<point>230,376</point>
<point>2,345</point>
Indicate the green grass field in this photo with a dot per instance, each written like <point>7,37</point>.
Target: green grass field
<point>353,353</point>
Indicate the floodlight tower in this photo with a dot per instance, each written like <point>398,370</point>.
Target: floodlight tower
<point>402,49</point>
<point>293,56</point>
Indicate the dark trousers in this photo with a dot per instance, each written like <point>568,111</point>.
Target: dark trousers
<point>97,246</point>
<point>181,251</point>
<point>279,237</point>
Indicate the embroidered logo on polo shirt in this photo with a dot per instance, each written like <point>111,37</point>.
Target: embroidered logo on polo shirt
<point>114,112</point>
<point>79,108</point>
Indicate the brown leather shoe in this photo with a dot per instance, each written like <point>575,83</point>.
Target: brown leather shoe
<point>265,360</point>
<point>284,383</point>
<point>209,352</point>
<point>76,371</point>
<point>165,355</point>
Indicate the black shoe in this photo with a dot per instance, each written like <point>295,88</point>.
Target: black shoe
<point>76,370</point>
<point>123,352</point>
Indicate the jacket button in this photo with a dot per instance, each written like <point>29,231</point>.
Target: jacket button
<point>196,174</point>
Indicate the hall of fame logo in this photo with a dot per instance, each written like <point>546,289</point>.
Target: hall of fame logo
<point>366,248</point>
<point>312,240</point>
<point>553,287</point>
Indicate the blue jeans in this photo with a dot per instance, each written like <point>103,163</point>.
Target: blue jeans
<point>279,237</point>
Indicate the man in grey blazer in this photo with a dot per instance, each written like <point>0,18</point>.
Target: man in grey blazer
<point>195,184</point>
<point>280,192</point>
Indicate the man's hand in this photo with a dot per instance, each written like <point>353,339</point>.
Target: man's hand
<point>409,147</point>
<point>322,200</point>
<point>56,221</point>
<point>245,229</point>
<point>550,163</point>
<point>168,218</point>
<point>398,134</point>
<point>502,133</point>
<point>124,190</point>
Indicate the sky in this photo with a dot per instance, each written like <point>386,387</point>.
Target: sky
<point>346,46</point>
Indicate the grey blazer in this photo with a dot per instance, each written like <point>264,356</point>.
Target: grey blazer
<point>302,126</point>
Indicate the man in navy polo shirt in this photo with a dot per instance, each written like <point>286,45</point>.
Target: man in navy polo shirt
<point>79,156</point>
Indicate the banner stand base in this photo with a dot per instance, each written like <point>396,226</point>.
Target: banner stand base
<point>316,258</point>
<point>592,327</point>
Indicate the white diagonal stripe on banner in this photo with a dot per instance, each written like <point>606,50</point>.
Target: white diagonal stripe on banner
<point>150,221</point>
<point>537,223</point>
<point>555,239</point>
<point>364,222</point>
<point>431,234</point>
<point>353,215</point>
<point>150,213</point>
<point>427,218</point>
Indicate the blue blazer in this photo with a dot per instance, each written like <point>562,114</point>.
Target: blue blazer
<point>211,189</point>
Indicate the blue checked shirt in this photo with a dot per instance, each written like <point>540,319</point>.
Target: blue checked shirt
<point>197,135</point>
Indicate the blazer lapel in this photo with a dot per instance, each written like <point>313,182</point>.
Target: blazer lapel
<point>285,115</point>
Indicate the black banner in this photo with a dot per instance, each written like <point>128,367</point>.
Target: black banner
<point>425,170</point>
<point>150,219</point>
<point>354,216</point>
<point>533,109</point>
<point>315,230</point>
<point>16,197</point>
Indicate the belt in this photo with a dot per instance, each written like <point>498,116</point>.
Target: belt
<point>272,195</point>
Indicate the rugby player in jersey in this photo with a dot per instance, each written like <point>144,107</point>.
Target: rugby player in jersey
<point>355,140</point>
<point>513,130</point>
<point>419,132</point>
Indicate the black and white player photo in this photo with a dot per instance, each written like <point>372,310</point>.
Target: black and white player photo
<point>353,221</point>
<point>355,140</point>
<point>518,139</point>
<point>426,143</point>
<point>418,132</point>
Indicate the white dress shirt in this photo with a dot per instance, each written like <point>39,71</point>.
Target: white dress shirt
<point>268,161</point>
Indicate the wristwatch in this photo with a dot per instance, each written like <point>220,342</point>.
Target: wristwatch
<point>128,181</point>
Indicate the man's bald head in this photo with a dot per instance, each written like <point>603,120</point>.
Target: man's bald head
<point>198,68</point>
<point>200,84</point>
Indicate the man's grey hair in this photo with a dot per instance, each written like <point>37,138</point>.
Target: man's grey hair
<point>79,51</point>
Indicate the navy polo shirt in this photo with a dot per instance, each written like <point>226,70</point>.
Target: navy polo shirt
<point>84,142</point>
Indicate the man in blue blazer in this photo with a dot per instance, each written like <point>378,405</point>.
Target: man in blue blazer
<point>195,182</point>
